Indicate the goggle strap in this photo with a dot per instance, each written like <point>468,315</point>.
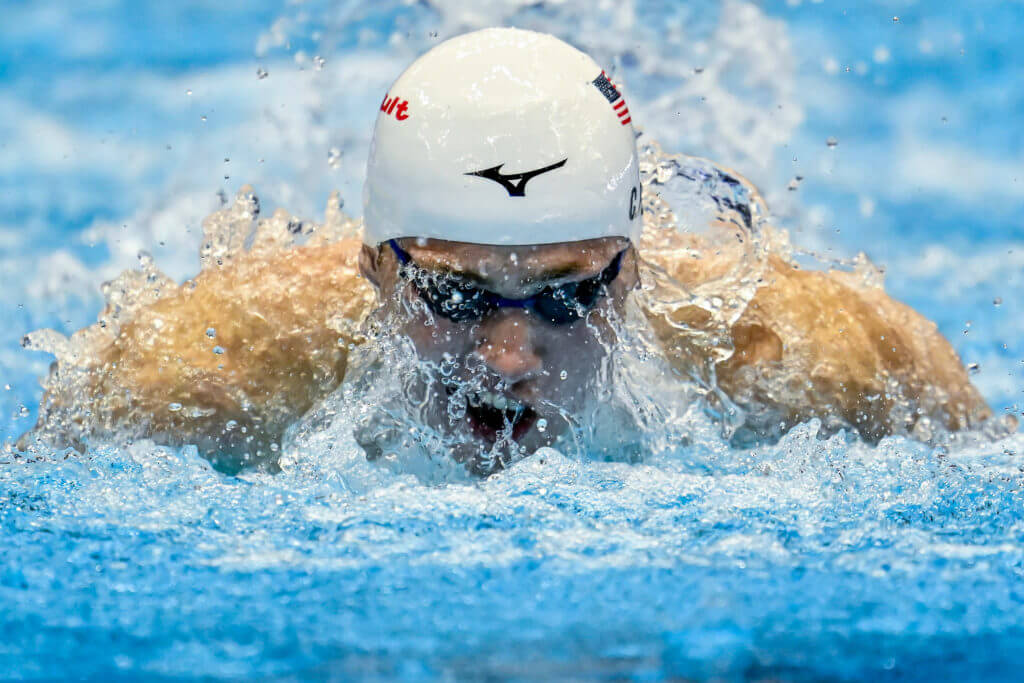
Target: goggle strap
<point>401,254</point>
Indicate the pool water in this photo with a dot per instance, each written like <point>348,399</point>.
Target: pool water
<point>891,128</point>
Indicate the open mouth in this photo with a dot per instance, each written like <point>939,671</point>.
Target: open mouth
<point>491,413</point>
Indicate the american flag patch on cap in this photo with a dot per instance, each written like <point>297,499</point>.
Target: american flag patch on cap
<point>612,94</point>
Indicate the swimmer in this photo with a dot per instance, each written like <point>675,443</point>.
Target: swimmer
<point>504,234</point>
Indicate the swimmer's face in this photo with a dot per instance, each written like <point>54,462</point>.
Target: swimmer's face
<point>532,367</point>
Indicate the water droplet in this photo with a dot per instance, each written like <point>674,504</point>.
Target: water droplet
<point>895,20</point>
<point>542,425</point>
<point>174,407</point>
<point>998,301</point>
<point>318,62</point>
<point>832,142</point>
<point>973,368</point>
<point>218,350</point>
<point>261,73</point>
<point>203,118</point>
<point>563,375</point>
<point>189,92</point>
<point>23,411</point>
<point>334,157</point>
<point>211,332</point>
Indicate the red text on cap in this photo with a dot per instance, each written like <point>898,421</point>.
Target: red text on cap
<point>393,105</point>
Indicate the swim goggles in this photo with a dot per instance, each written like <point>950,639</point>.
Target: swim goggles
<point>458,300</point>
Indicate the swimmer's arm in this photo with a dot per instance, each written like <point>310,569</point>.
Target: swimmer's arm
<point>822,344</point>
<point>227,363</point>
<point>807,344</point>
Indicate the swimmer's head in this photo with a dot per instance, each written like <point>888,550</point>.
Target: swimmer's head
<point>503,137</point>
<point>502,203</point>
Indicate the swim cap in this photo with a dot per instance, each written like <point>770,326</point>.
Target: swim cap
<point>503,136</point>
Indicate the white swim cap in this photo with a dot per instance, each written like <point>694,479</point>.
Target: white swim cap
<point>503,136</point>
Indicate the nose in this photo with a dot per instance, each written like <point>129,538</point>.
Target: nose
<point>506,343</point>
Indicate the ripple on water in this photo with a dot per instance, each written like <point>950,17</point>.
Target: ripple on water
<point>777,559</point>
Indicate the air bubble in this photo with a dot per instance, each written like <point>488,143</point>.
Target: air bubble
<point>174,407</point>
<point>973,368</point>
<point>563,375</point>
<point>261,73</point>
<point>218,350</point>
<point>334,157</point>
<point>832,142</point>
<point>542,425</point>
<point>998,301</point>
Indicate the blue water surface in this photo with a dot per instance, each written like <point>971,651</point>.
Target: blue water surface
<point>810,559</point>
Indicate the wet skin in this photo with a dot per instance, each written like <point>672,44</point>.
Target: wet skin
<point>824,345</point>
<point>524,357</point>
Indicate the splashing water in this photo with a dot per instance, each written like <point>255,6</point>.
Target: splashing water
<point>150,365</point>
<point>689,556</point>
<point>155,365</point>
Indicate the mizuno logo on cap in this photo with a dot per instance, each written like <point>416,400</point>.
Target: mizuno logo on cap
<point>515,183</point>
